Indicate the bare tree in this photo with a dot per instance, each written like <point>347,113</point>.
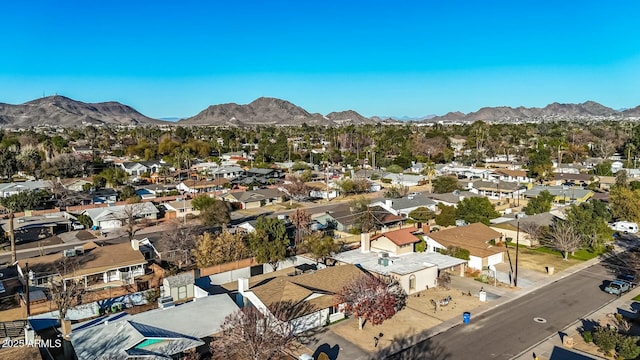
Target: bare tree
<point>131,218</point>
<point>372,299</point>
<point>297,188</point>
<point>536,232</point>
<point>176,244</point>
<point>564,238</point>
<point>252,333</point>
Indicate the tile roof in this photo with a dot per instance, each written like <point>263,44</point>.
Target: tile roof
<point>400,237</point>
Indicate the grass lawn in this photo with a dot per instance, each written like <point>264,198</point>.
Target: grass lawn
<point>637,297</point>
<point>539,259</point>
<point>582,254</point>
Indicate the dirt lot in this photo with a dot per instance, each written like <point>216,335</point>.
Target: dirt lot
<point>415,318</point>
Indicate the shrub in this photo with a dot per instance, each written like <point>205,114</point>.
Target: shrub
<point>627,347</point>
<point>606,338</point>
<point>421,246</point>
<point>587,336</point>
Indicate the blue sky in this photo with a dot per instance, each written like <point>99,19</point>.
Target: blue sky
<point>413,58</point>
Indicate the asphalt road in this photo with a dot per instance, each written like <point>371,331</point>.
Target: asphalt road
<point>506,331</point>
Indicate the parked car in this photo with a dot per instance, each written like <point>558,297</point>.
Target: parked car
<point>618,287</point>
<point>77,226</point>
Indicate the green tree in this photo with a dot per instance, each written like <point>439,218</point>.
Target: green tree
<point>422,214</point>
<point>622,180</point>
<point>213,212</point>
<point>320,245</point>
<point>603,169</point>
<point>220,249</point>
<point>606,338</point>
<point>447,215</point>
<point>395,168</point>
<point>269,241</point>
<point>457,252</point>
<point>128,192</point>
<point>540,165</point>
<point>476,209</point>
<point>540,204</point>
<point>590,222</point>
<point>625,204</point>
<point>627,347</point>
<point>445,184</point>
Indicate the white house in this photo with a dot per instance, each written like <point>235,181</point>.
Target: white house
<point>113,217</point>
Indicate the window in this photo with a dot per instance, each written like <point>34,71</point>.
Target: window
<point>412,282</point>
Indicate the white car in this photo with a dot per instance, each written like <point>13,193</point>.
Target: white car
<point>77,226</point>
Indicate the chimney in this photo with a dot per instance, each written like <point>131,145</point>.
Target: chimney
<point>135,244</point>
<point>243,284</point>
<point>388,203</point>
<point>365,242</point>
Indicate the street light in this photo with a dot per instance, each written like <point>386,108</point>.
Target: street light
<point>515,278</point>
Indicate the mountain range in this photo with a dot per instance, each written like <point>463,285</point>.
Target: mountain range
<point>62,111</point>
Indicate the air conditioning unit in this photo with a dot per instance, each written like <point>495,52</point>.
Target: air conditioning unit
<point>79,250</point>
<point>69,253</point>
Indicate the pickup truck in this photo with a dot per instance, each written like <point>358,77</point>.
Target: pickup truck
<point>618,287</point>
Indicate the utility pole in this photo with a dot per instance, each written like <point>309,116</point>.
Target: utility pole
<point>12,238</point>
<point>515,279</point>
<point>26,291</point>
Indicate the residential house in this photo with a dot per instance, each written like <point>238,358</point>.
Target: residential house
<point>573,179</point>
<point>516,229</point>
<point>93,265</point>
<point>562,194</point>
<point>13,188</point>
<point>76,184</point>
<point>512,175</point>
<point>158,334</point>
<point>313,292</point>
<point>255,198</point>
<point>37,227</point>
<point>404,205</point>
<point>405,179</point>
<point>182,208</point>
<point>452,198</point>
<point>457,144</point>
<point>496,190</point>
<point>321,190</point>
<point>138,168</point>
<point>342,218</point>
<point>202,186</point>
<point>226,172</point>
<point>104,196</point>
<point>415,271</point>
<point>568,168</point>
<point>416,167</point>
<point>478,238</point>
<point>113,217</point>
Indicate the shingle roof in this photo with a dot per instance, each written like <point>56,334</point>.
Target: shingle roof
<point>399,237</point>
<point>96,259</point>
<point>473,237</point>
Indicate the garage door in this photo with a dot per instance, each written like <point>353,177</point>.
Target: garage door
<point>495,259</point>
<point>110,224</point>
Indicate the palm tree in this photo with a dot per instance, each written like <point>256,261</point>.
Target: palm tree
<point>429,171</point>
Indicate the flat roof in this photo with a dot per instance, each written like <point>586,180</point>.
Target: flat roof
<point>401,264</point>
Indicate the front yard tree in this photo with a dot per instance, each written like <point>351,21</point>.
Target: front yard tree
<point>445,184</point>
<point>269,241</point>
<point>213,212</point>
<point>476,209</point>
<point>320,245</point>
<point>590,222</point>
<point>177,244</point>
<point>564,238</point>
<point>539,204</point>
<point>372,299</point>
<point>131,214</point>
